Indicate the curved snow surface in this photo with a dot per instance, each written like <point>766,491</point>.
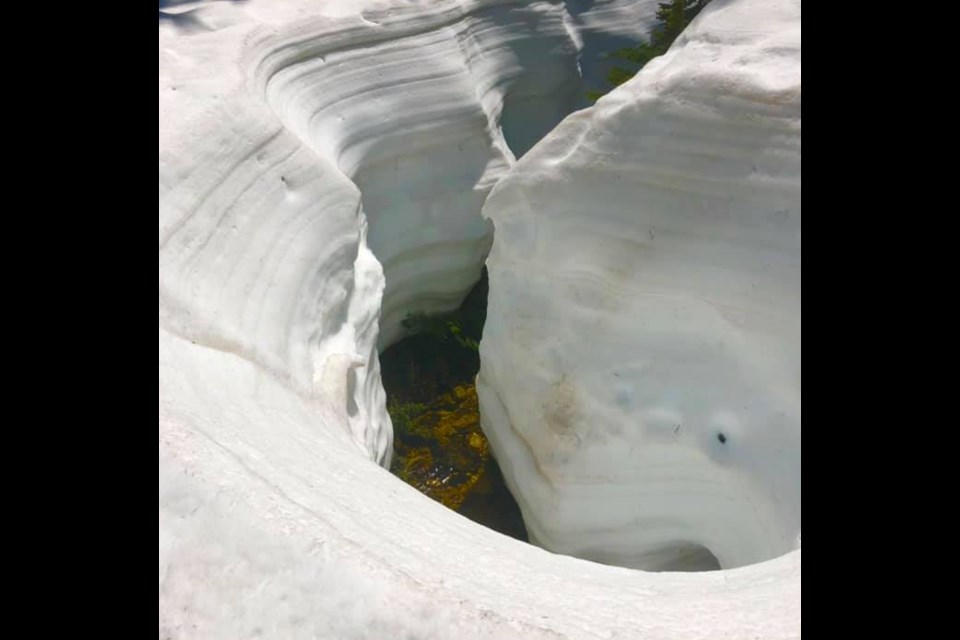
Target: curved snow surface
<point>323,166</point>
<point>641,357</point>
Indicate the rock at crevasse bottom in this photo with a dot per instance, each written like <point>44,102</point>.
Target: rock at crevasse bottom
<point>640,378</point>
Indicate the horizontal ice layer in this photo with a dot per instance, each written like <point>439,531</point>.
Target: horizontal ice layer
<point>640,378</point>
<point>425,107</point>
<point>275,519</point>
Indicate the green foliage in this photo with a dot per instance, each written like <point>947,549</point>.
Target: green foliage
<point>404,415</point>
<point>461,337</point>
<point>445,326</point>
<point>440,351</point>
<point>640,54</point>
<point>673,17</point>
<point>439,447</point>
<point>618,76</point>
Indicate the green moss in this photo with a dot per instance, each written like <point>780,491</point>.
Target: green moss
<point>441,450</point>
<point>439,447</point>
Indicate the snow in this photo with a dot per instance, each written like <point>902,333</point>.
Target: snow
<point>641,358</point>
<point>304,146</point>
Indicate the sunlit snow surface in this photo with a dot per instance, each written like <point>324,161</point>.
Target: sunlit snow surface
<point>312,151</point>
<point>640,376</point>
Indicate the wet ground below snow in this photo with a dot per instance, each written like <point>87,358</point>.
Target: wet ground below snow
<point>439,447</point>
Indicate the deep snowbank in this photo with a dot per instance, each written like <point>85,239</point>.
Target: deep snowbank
<point>641,359</point>
<point>294,138</point>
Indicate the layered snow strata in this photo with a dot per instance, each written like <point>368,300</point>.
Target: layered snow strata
<point>640,379</point>
<point>275,518</point>
<point>424,106</point>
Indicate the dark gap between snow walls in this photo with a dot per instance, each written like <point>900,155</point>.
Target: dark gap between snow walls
<point>438,446</point>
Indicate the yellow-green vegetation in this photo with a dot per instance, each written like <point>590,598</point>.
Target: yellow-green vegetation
<point>440,448</point>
